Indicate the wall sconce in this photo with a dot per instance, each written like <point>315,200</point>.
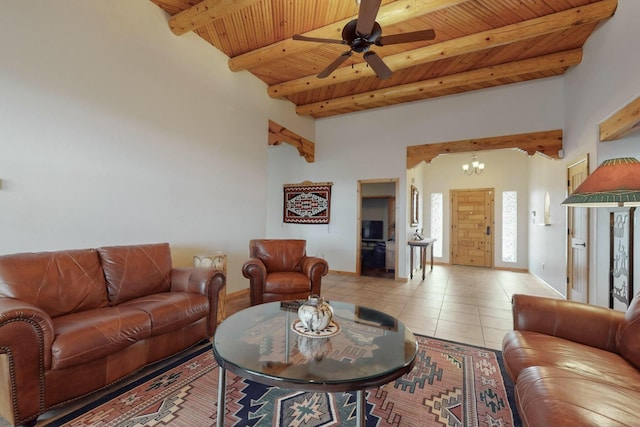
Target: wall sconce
<point>476,167</point>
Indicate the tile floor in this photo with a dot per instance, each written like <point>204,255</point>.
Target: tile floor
<point>465,304</point>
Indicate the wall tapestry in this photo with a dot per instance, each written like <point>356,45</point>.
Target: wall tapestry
<point>307,202</point>
<point>621,269</point>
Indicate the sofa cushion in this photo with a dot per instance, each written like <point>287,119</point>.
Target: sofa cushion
<point>548,396</point>
<point>93,334</point>
<point>628,336</point>
<point>523,349</point>
<point>135,271</point>
<point>170,311</point>
<point>58,283</point>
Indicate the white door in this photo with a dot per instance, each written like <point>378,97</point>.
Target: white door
<point>578,238</point>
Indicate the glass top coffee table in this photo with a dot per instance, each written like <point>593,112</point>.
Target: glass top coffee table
<point>363,348</point>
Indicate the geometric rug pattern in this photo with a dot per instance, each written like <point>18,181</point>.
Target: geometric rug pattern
<point>451,385</point>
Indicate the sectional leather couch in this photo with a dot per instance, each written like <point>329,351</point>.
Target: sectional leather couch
<point>574,364</point>
<point>75,321</point>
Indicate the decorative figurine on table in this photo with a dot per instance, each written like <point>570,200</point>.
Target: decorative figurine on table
<point>417,235</point>
<point>315,314</point>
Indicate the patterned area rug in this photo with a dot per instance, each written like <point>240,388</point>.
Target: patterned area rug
<point>451,385</point>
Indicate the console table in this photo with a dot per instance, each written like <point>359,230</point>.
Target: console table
<point>423,244</point>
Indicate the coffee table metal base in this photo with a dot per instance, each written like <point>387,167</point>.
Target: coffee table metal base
<point>361,416</point>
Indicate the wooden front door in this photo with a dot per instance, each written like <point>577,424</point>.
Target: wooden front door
<point>578,238</point>
<point>472,227</point>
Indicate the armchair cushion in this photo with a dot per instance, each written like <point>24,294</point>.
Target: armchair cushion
<point>280,283</point>
<point>279,255</point>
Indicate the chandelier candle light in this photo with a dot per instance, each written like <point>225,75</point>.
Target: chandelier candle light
<point>476,166</point>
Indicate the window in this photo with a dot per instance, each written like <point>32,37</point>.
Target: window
<point>510,226</point>
<point>436,223</point>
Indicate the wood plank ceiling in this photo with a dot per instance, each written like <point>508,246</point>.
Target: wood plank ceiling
<point>479,44</point>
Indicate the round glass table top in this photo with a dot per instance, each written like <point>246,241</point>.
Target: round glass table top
<point>365,348</point>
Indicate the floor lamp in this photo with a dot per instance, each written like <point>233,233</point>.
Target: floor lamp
<point>615,183</point>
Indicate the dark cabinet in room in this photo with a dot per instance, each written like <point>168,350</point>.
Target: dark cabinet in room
<point>373,254</point>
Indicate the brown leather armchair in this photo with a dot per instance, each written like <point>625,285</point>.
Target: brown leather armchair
<point>280,269</point>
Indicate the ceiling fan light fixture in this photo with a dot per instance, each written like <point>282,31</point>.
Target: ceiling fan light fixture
<point>359,34</point>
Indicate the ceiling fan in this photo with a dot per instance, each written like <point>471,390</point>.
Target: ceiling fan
<point>363,32</point>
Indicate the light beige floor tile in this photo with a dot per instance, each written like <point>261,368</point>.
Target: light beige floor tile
<point>463,339</point>
<point>496,322</point>
<point>496,312</point>
<point>493,334</point>
<point>460,308</point>
<point>455,316</point>
<point>493,345</point>
<point>420,325</point>
<point>499,304</point>
<point>420,311</point>
<point>459,329</point>
<point>460,299</point>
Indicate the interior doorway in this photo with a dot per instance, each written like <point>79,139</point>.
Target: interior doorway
<point>472,227</point>
<point>377,255</point>
<point>578,228</point>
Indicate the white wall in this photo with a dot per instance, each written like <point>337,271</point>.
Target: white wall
<point>547,243</point>
<point>372,144</point>
<point>116,131</point>
<point>606,80</point>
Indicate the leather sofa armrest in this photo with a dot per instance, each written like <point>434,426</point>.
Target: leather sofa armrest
<point>26,335</point>
<point>254,267</point>
<point>205,281</point>
<point>255,270</point>
<point>314,267</point>
<point>582,323</point>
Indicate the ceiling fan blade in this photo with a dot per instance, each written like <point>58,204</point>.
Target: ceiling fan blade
<point>335,64</point>
<point>377,64</point>
<point>367,16</point>
<point>414,36</point>
<point>315,39</point>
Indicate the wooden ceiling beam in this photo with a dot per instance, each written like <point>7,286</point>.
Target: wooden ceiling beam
<point>547,143</point>
<point>387,96</point>
<point>279,134</point>
<point>392,13</point>
<point>203,13</point>
<point>622,122</point>
<point>555,22</point>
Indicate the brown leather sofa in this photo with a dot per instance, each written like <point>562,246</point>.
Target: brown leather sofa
<point>279,269</point>
<point>75,321</point>
<point>574,364</point>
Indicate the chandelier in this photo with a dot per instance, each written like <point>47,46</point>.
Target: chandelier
<point>475,167</point>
